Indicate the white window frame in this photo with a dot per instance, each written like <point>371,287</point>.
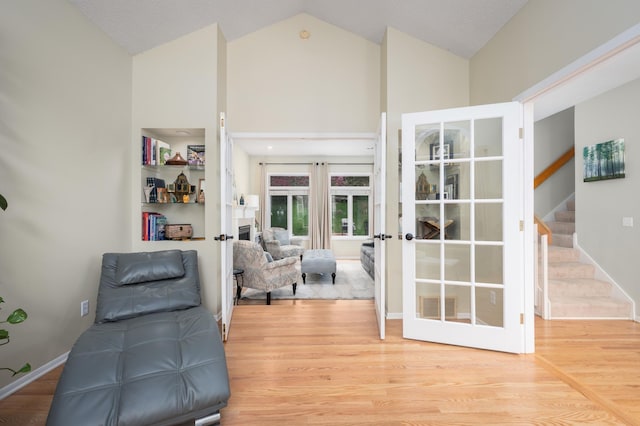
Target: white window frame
<point>287,191</point>
<point>350,192</point>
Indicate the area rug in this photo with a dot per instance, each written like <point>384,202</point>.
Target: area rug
<point>352,282</point>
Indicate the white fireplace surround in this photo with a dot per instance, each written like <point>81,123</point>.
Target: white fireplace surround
<point>242,216</point>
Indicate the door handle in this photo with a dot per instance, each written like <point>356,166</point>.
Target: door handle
<point>383,236</point>
<point>409,236</point>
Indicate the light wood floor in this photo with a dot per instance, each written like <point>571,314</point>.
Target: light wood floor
<point>321,363</point>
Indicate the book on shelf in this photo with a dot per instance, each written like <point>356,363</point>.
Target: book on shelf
<point>195,155</point>
<point>153,226</point>
<point>154,151</point>
<point>163,152</point>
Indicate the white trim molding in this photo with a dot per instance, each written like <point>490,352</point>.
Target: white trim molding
<point>32,376</point>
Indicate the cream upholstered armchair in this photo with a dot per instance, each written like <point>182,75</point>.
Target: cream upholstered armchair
<point>259,272</point>
<point>277,242</point>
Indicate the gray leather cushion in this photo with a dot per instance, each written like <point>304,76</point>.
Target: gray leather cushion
<point>157,369</point>
<point>116,301</point>
<point>135,268</point>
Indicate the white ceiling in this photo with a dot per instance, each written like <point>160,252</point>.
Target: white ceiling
<point>459,26</point>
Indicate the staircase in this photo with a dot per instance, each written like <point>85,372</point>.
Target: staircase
<point>573,290</point>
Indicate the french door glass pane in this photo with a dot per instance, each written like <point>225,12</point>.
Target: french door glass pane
<point>339,214</point>
<point>488,137</point>
<point>489,264</point>
<point>490,306</point>
<point>360,215</point>
<point>488,221</point>
<point>456,139</point>
<point>279,211</point>
<point>300,214</point>
<point>428,261</point>
<point>457,303</point>
<point>457,262</point>
<point>428,304</point>
<point>488,179</point>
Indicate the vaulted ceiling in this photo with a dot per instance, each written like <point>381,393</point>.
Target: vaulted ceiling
<point>459,26</point>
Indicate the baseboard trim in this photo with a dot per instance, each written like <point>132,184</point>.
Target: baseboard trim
<point>394,315</point>
<point>32,376</point>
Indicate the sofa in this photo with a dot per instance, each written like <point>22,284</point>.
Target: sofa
<point>368,258</point>
<point>153,356</point>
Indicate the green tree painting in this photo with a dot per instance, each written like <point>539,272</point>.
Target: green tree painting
<point>604,160</point>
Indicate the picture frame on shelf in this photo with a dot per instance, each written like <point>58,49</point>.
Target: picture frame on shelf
<point>437,152</point>
<point>451,185</point>
<point>201,192</point>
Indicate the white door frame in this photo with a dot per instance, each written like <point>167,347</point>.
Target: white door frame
<point>226,233</point>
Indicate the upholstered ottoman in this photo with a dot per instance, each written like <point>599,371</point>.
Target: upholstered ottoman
<point>318,261</point>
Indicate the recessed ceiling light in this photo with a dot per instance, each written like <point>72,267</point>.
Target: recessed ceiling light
<point>183,132</point>
<point>269,147</point>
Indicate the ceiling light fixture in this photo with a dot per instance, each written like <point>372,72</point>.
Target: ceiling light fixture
<point>304,34</point>
<point>183,132</point>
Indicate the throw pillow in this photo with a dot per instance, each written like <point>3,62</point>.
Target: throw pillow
<point>282,235</point>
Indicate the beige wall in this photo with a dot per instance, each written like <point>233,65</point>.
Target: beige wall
<point>554,135</point>
<point>65,119</point>
<point>542,38</point>
<point>601,205</point>
<point>175,86</point>
<point>279,82</point>
<point>420,77</point>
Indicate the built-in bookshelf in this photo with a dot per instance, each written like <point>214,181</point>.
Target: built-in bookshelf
<point>172,187</point>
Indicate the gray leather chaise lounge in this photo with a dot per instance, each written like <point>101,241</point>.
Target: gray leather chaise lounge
<point>154,355</point>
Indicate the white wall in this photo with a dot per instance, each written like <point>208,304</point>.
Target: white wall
<point>553,137</point>
<point>420,77</point>
<point>601,205</point>
<point>279,82</point>
<point>65,118</point>
<point>175,86</point>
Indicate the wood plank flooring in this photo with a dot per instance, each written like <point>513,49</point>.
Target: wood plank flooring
<point>321,363</point>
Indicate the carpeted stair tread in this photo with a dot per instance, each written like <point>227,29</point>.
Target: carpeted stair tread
<point>562,254</point>
<point>562,240</point>
<point>579,287</point>
<point>570,270</point>
<point>562,227</point>
<point>565,216</point>
<point>589,307</point>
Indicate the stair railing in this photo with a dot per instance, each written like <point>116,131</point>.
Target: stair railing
<point>543,238</point>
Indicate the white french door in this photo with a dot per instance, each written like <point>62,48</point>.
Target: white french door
<point>462,214</point>
<point>379,205</point>
<point>226,233</point>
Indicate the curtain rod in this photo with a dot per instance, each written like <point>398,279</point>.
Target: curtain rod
<point>316,163</point>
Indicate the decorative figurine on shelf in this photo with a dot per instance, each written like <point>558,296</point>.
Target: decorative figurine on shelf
<point>147,192</point>
<point>242,200</point>
<point>422,187</point>
<point>182,188</point>
<point>176,160</point>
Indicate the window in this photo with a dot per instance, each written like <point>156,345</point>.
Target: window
<point>289,203</point>
<point>350,206</point>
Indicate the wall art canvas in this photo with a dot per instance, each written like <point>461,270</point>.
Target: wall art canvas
<point>604,160</point>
